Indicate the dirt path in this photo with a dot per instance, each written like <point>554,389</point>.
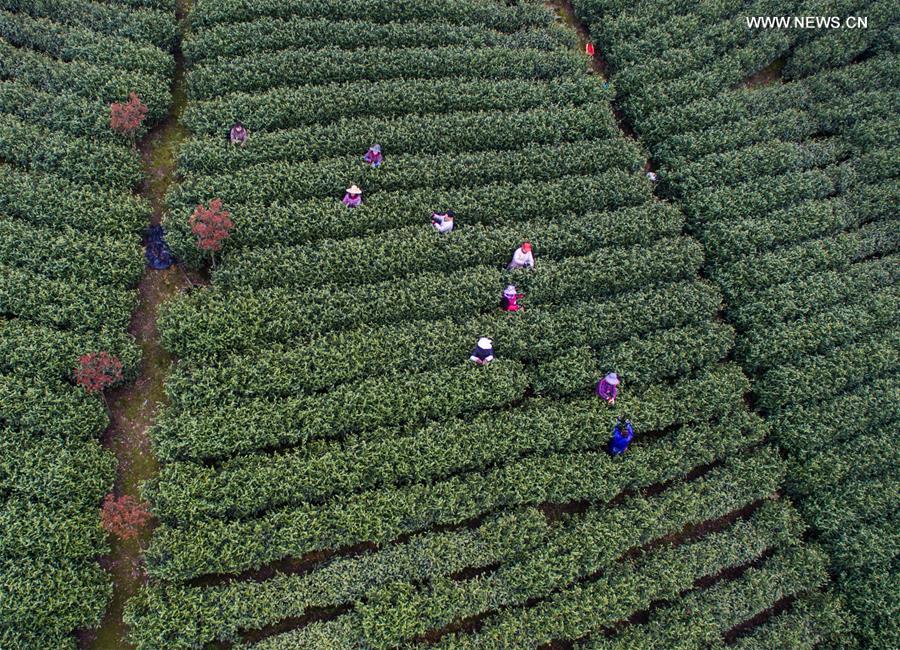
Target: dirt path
<point>133,408</point>
<point>597,63</point>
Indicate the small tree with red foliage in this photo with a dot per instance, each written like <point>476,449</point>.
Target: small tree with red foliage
<point>211,225</point>
<point>127,117</point>
<point>97,371</point>
<point>124,517</point>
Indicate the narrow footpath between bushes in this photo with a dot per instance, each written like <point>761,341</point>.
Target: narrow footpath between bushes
<point>598,63</point>
<point>133,408</point>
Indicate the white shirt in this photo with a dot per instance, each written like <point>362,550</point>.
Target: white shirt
<point>521,258</point>
<point>443,225</point>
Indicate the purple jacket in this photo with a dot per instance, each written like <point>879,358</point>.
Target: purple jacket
<point>351,201</point>
<point>374,158</point>
<point>606,390</point>
<point>238,135</point>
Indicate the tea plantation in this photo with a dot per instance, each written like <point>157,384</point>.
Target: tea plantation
<point>335,472</point>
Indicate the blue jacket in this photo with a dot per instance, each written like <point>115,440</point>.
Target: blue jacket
<point>478,353</point>
<point>619,443</point>
<point>157,252</point>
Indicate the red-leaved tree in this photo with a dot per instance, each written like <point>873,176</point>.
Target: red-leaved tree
<point>126,117</point>
<point>211,225</point>
<point>124,517</point>
<point>97,371</point>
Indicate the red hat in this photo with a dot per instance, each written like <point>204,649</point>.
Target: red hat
<point>526,247</point>
<point>589,49</point>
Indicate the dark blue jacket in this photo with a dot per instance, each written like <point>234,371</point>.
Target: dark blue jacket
<point>482,354</point>
<point>157,251</point>
<point>619,443</point>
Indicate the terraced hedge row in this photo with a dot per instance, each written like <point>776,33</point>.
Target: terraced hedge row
<point>60,113</point>
<point>280,182</point>
<point>412,133</point>
<point>70,260</point>
<point>287,108</point>
<point>49,200</point>
<point>150,22</point>
<point>332,65</point>
<point>791,185</point>
<point>231,40</point>
<point>80,160</point>
<point>88,80</point>
<point>850,90</point>
<point>70,43</point>
<point>213,432</point>
<point>63,253</point>
<point>510,16</point>
<point>503,587</point>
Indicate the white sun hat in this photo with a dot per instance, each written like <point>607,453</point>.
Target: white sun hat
<point>612,378</point>
<point>354,189</point>
<point>485,343</point>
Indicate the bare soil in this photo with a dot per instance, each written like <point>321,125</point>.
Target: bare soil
<point>768,75</point>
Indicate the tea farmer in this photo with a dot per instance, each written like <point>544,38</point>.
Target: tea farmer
<point>483,353</point>
<point>522,258</point>
<point>653,177</point>
<point>607,388</point>
<point>373,156</point>
<point>157,251</point>
<point>618,445</point>
<point>443,221</point>
<point>509,301</point>
<point>238,134</point>
<point>353,197</point>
